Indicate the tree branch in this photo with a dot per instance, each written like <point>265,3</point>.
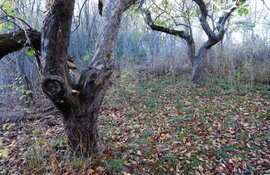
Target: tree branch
<point>265,5</point>
<point>212,37</point>
<point>149,21</point>
<point>203,19</point>
<point>15,18</point>
<point>101,67</point>
<point>80,13</point>
<point>222,20</point>
<point>17,40</point>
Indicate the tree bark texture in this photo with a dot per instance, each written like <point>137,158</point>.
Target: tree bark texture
<point>199,61</point>
<point>191,50</point>
<point>80,101</point>
<point>17,40</point>
<point>198,66</point>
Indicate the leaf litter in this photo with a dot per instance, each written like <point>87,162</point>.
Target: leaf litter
<point>166,128</point>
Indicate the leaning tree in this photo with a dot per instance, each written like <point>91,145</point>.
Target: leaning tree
<point>178,18</point>
<point>79,101</point>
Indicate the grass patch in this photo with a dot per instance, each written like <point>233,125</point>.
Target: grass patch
<point>163,126</point>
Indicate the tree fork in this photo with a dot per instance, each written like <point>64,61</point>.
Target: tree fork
<point>79,101</point>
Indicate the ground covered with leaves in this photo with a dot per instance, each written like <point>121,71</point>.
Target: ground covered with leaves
<point>158,126</point>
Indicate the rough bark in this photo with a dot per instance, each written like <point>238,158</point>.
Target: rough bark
<point>198,66</point>
<point>17,40</point>
<point>80,101</point>
<point>191,50</point>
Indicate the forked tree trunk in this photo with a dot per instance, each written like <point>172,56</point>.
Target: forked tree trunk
<point>200,59</point>
<point>213,37</point>
<point>80,101</point>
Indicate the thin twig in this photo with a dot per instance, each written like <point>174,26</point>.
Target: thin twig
<point>79,17</point>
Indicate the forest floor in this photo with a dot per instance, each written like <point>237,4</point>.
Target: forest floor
<point>157,126</point>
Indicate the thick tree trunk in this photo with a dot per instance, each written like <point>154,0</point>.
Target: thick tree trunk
<point>82,131</point>
<point>200,58</point>
<point>80,111</point>
<point>198,66</point>
<point>78,104</point>
<point>80,101</point>
<point>191,50</point>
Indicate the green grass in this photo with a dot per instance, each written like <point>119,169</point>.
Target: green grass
<point>167,126</point>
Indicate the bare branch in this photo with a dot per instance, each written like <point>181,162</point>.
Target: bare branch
<point>16,18</point>
<point>203,18</point>
<point>148,19</point>
<point>80,13</point>
<point>265,5</point>
<point>214,38</point>
<point>223,20</point>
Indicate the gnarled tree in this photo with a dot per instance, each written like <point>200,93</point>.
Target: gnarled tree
<point>182,27</point>
<point>79,101</point>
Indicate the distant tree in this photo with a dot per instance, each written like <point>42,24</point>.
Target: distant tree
<point>79,101</point>
<point>178,18</point>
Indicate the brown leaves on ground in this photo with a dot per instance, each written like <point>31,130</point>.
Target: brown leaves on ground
<point>164,127</point>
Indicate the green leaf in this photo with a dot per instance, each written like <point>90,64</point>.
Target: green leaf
<point>27,92</point>
<point>2,26</point>
<point>7,7</point>
<point>243,11</point>
<point>160,22</point>
<point>164,2</point>
<point>9,26</point>
<point>197,11</point>
<point>242,2</point>
<point>22,97</point>
<point>30,51</point>
<point>215,7</point>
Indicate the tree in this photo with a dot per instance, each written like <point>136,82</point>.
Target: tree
<point>215,33</point>
<point>79,101</point>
